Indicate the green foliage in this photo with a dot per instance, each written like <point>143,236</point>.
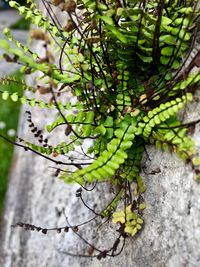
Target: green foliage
<point>123,63</point>
<point>9,113</point>
<point>132,222</point>
<point>21,24</point>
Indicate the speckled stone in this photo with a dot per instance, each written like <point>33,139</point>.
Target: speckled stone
<point>171,235</point>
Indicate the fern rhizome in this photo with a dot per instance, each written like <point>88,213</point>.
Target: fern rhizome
<point>126,62</point>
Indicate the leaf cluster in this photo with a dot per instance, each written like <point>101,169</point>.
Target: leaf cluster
<point>125,62</point>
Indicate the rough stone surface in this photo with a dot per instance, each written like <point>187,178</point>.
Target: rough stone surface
<point>171,235</point>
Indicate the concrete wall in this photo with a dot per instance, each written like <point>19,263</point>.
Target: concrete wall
<point>171,236</point>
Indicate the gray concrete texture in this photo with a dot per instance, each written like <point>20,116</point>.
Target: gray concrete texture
<point>171,235</point>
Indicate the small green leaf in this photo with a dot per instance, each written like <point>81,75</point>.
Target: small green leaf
<point>196,161</point>
<point>186,10</point>
<point>22,9</point>
<point>117,34</point>
<point>23,99</point>
<point>109,133</point>
<point>4,44</point>
<point>140,221</point>
<point>126,145</point>
<point>141,186</point>
<point>108,122</point>
<point>109,170</point>
<point>164,60</point>
<point>14,97</point>
<point>119,133</point>
<point>184,35</point>
<point>169,135</point>
<point>32,102</point>
<point>113,165</point>
<point>38,19</point>
<point>70,118</point>
<point>42,104</point>
<point>167,39</point>
<point>89,117</point>
<point>165,20</point>
<point>167,51</point>
<point>86,129</point>
<point>120,11</point>
<point>108,20</point>
<point>183,21</point>
<point>142,206</point>
<point>158,144</point>
<point>131,230</point>
<point>101,129</point>
<point>17,52</point>
<point>5,95</point>
<point>165,147</point>
<point>145,59</point>
<point>102,7</point>
<point>119,217</point>
<point>156,119</point>
<point>80,117</point>
<point>13,4</point>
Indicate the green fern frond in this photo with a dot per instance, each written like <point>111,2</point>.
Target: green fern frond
<point>109,161</point>
<point>162,113</point>
<point>6,95</point>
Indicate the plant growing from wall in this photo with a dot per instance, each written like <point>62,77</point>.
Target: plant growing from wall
<point>127,64</point>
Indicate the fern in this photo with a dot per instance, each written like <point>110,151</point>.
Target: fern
<point>126,67</point>
<point>162,113</point>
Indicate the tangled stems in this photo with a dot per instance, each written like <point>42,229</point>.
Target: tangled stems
<point>123,61</point>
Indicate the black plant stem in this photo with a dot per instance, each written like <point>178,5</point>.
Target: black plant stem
<point>42,155</point>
